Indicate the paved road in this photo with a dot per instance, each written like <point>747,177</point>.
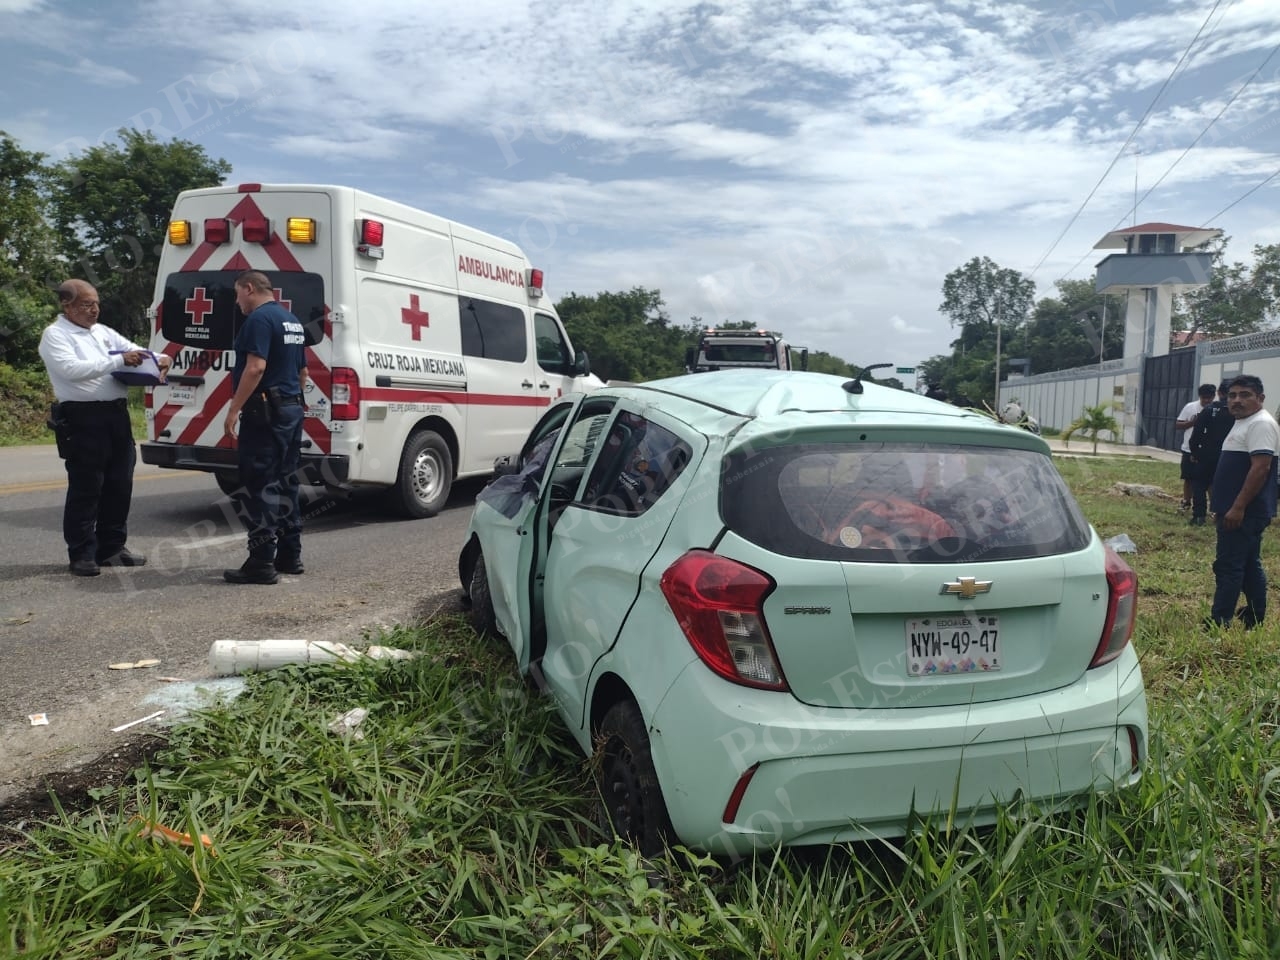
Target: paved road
<point>366,571</point>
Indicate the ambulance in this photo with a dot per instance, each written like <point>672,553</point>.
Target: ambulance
<point>431,346</point>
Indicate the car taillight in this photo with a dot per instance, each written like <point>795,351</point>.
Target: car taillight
<point>1122,600</point>
<point>345,396</point>
<point>719,604</point>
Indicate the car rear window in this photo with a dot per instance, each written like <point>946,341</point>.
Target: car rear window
<point>900,503</point>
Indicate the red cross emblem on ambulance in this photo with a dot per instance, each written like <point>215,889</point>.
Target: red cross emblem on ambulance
<point>198,305</point>
<point>279,295</point>
<point>415,316</point>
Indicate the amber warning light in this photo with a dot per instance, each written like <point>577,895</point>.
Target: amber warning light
<point>180,232</point>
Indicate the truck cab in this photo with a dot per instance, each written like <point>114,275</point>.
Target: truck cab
<point>725,349</point>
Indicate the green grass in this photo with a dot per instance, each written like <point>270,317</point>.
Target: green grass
<point>462,824</point>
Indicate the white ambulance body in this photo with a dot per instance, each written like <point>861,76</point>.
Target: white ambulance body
<point>431,347</point>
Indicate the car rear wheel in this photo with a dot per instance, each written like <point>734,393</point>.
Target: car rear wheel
<point>483,618</point>
<point>629,792</point>
<point>425,475</point>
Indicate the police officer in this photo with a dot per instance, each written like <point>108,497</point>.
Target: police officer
<point>91,422</point>
<point>267,408</point>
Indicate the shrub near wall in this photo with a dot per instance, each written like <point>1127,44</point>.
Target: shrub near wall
<point>25,396</point>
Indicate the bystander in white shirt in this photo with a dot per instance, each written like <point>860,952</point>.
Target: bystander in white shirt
<point>80,362</point>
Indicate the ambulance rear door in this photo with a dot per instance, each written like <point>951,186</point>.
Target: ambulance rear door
<point>288,235</point>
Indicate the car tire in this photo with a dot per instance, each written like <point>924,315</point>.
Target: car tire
<point>483,618</point>
<point>228,481</point>
<point>425,476</point>
<point>630,796</point>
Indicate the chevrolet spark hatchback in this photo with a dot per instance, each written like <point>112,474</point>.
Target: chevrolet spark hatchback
<point>789,608</point>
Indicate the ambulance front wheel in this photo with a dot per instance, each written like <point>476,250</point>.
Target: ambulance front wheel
<point>425,475</point>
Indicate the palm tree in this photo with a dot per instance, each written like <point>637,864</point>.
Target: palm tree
<point>1093,421</point>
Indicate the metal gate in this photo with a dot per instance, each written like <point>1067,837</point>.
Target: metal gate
<point>1168,385</point>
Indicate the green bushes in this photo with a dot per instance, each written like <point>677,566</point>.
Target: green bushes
<point>25,396</point>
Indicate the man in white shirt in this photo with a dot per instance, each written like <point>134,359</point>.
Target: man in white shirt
<point>95,436</point>
<point>1187,420</point>
<point>1243,503</point>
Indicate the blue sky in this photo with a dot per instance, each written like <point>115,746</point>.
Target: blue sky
<point>813,167</point>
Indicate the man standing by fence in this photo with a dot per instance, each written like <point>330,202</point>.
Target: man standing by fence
<point>1212,425</point>
<point>1243,503</point>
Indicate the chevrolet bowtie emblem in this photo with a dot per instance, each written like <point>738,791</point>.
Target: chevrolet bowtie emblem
<point>967,587</point>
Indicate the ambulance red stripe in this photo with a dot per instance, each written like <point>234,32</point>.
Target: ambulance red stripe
<point>402,395</point>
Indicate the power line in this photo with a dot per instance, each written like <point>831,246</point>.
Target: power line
<point>1182,156</point>
<point>1119,153</point>
<point>1251,190</point>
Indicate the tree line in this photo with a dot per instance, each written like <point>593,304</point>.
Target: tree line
<point>102,215</point>
<point>995,311</point>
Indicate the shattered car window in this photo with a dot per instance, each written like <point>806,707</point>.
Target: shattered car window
<point>507,494</point>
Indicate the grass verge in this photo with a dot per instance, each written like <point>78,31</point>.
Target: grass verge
<point>461,824</point>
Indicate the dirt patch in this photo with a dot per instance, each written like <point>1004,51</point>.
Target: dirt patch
<point>74,790</point>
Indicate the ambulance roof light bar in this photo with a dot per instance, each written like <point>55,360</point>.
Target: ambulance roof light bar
<point>535,283</point>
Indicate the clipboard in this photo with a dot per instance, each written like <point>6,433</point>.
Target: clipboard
<point>146,374</point>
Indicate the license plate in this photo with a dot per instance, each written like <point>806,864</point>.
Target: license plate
<point>182,395</point>
<point>952,644</point>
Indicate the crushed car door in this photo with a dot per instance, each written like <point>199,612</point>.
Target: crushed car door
<point>565,471</point>
<point>507,535</point>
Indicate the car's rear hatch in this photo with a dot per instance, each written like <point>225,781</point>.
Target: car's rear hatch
<point>916,573</point>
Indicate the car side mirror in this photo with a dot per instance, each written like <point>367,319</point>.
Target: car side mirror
<point>804,359</point>
<point>690,357</point>
<point>504,467</point>
<point>582,364</point>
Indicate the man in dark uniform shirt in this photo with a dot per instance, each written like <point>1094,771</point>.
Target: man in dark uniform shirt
<point>269,376</point>
<point>1211,426</point>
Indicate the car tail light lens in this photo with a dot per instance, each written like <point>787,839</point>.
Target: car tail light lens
<point>345,396</point>
<point>1122,602</point>
<point>719,604</point>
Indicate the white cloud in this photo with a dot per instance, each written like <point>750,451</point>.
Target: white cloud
<point>816,166</point>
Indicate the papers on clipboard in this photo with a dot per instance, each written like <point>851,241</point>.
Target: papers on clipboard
<point>146,374</point>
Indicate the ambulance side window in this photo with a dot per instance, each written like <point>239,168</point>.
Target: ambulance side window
<point>493,331</point>
<point>553,352</point>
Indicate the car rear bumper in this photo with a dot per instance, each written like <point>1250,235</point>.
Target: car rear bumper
<point>827,775</point>
<point>326,469</point>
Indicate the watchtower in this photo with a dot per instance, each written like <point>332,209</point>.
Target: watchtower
<point>1159,260</point>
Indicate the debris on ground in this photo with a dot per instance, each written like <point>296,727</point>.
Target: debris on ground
<point>161,832</point>
<point>134,665</point>
<point>347,725</point>
<point>228,657</point>
<point>1142,490</point>
<point>134,723</point>
<point>1121,543</point>
<point>38,719</point>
